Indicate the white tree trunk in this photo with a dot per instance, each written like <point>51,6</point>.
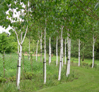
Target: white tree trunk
<point>37,50</point>
<point>41,46</point>
<point>49,50</point>
<point>79,52</point>
<point>65,51</point>
<point>69,56</point>
<point>20,56</point>
<point>19,64</point>
<point>45,56</point>
<point>60,65</point>
<point>18,49</point>
<point>93,52</point>
<point>62,49</point>
<point>56,50</point>
<point>19,67</point>
<point>62,45</point>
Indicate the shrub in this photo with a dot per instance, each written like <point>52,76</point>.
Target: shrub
<point>12,78</point>
<point>28,75</point>
<point>2,80</point>
<point>85,64</point>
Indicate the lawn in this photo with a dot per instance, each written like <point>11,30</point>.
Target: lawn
<point>81,79</point>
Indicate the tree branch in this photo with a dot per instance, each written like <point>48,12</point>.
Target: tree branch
<point>17,37</point>
<point>90,10</point>
<point>24,35</point>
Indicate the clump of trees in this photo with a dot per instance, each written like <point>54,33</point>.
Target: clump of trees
<point>71,19</point>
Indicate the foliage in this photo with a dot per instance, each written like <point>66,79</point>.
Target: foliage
<point>7,43</point>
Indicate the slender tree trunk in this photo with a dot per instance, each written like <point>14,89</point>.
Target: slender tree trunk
<point>83,56</point>
<point>31,59</point>
<point>69,56</point>
<point>60,65</point>
<point>41,47</point>
<point>29,49</point>
<point>4,62</point>
<point>65,51</point>
<point>44,56</point>
<point>56,50</point>
<point>19,64</point>
<point>37,50</point>
<point>49,50</point>
<point>20,56</point>
<point>93,52</point>
<point>23,62</point>
<point>19,67</point>
<point>62,45</point>
<point>79,52</point>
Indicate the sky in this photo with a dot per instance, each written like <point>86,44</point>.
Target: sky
<point>15,14</point>
<point>5,30</point>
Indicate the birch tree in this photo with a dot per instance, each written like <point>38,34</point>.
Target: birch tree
<point>65,51</point>
<point>93,51</point>
<point>20,55</point>
<point>56,50</point>
<point>79,52</point>
<point>44,55</point>
<point>60,64</point>
<point>49,50</point>
<point>37,50</point>
<point>41,46</point>
<point>19,24</point>
<point>69,55</point>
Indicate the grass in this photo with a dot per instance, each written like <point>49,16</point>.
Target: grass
<point>81,79</point>
<point>87,81</point>
<point>89,61</point>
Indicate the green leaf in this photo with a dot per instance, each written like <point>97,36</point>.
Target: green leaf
<point>96,6</point>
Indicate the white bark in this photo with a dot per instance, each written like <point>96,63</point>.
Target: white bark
<point>65,51</point>
<point>62,50</point>
<point>79,52</point>
<point>19,67</point>
<point>19,64</point>
<point>69,56</point>
<point>49,50</point>
<point>20,56</point>
<point>18,49</point>
<point>60,65</point>
<point>93,52</point>
<point>45,56</point>
<point>62,45</point>
<point>37,50</point>
<point>25,35</point>
<point>41,46</point>
<point>56,50</point>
